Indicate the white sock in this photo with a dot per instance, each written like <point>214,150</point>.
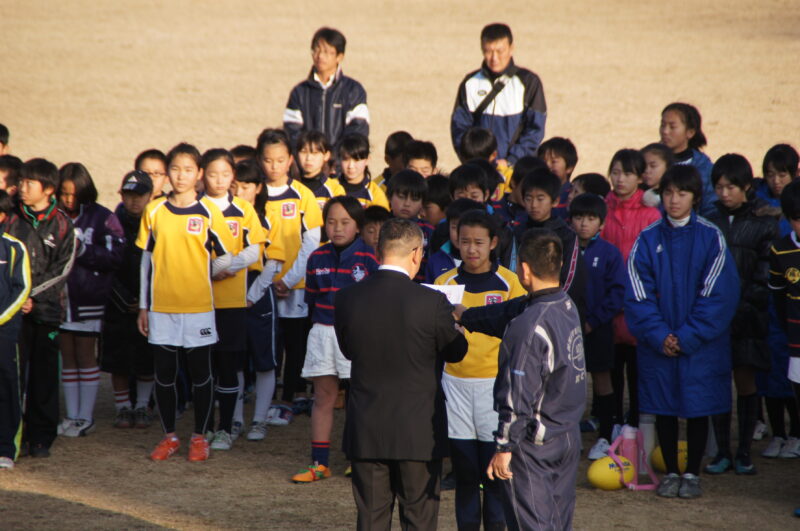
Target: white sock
<point>89,384</point>
<point>144,388</point>
<point>122,399</point>
<point>238,411</point>
<point>69,380</point>
<point>265,387</point>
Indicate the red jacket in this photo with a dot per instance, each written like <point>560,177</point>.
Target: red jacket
<point>624,221</point>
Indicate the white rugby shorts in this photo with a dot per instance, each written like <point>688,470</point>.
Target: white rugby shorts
<point>186,330</point>
<point>470,411</point>
<point>323,357</point>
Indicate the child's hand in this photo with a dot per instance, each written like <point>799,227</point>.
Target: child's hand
<point>27,306</point>
<point>458,311</point>
<point>670,346</point>
<point>141,322</point>
<point>281,289</point>
<point>499,466</point>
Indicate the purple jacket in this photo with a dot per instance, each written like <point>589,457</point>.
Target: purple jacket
<point>101,244</point>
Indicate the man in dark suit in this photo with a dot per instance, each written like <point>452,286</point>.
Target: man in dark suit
<point>398,334</point>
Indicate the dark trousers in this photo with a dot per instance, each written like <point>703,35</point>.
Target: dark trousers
<point>38,348</point>
<point>541,495</point>
<point>294,332</point>
<point>10,399</point>
<point>470,460</point>
<point>626,366</point>
<point>376,484</point>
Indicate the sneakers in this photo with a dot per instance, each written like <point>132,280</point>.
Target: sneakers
<point>744,467</point>
<point>279,415</point>
<point>599,450</point>
<point>142,418</point>
<point>589,425</point>
<point>258,430</point>
<point>222,441</point>
<point>719,465</point>
<point>165,448</point>
<point>6,462</point>
<point>65,425</point>
<point>670,486</point>
<point>312,474</point>
<point>198,448</point>
<point>39,450</point>
<point>448,482</point>
<point>236,430</point>
<point>791,449</point>
<point>80,428</point>
<point>774,447</point>
<point>124,418</point>
<point>302,405</point>
<point>690,487</point>
<point>760,431</point>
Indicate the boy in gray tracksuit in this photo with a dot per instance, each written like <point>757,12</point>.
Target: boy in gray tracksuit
<point>540,395</point>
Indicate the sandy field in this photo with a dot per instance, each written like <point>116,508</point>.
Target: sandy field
<point>98,82</point>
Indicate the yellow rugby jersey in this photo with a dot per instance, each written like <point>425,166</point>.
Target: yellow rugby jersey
<point>182,240</point>
<point>505,186</point>
<point>367,192</point>
<point>324,189</point>
<point>289,216</point>
<point>497,285</point>
<point>246,230</point>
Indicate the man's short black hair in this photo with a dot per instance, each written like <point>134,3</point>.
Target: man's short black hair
<point>684,177</point>
<point>477,143</point>
<point>40,170</point>
<point>544,180</point>
<point>588,205</point>
<point>466,175</point>
<point>420,149</point>
<point>495,32</point>
<point>407,182</point>
<point>332,36</point>
<point>376,214</point>
<point>459,207</point>
<point>396,144</point>
<point>735,168</point>
<point>593,183</point>
<point>560,147</point>
<point>399,236</point>
<point>438,191</point>
<point>4,134</point>
<point>11,165</point>
<point>541,249</point>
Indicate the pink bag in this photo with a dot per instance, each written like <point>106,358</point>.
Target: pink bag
<point>631,446</point>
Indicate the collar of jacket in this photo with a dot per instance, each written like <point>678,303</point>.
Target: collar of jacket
<point>634,201</point>
<point>669,226</point>
<point>509,71</point>
<point>336,77</point>
<point>35,219</point>
<point>534,296</point>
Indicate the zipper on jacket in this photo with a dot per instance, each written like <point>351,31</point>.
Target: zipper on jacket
<point>324,110</point>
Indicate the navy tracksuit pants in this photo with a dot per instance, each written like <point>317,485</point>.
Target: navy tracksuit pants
<point>10,399</point>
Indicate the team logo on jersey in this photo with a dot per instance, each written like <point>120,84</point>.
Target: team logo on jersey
<point>322,271</point>
<point>793,275</point>
<point>595,261</point>
<point>482,93</point>
<point>494,299</point>
<point>234,226</point>
<point>288,210</point>
<point>576,354</point>
<point>194,225</point>
<point>359,272</point>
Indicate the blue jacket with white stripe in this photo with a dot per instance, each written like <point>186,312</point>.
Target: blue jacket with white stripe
<point>520,103</point>
<point>682,281</point>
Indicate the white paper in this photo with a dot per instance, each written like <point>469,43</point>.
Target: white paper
<point>454,293</point>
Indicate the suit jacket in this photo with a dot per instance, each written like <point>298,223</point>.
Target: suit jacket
<point>398,335</point>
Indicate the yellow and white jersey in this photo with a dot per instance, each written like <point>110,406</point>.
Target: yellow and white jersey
<point>328,188</point>
<point>246,230</point>
<point>495,286</point>
<point>368,193</point>
<point>183,242</point>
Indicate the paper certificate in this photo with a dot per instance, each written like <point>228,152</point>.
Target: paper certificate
<point>454,293</point>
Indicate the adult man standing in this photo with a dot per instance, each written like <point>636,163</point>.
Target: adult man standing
<point>397,335</point>
<point>502,97</point>
<point>327,101</point>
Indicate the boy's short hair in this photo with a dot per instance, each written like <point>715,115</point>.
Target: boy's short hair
<point>149,154</point>
<point>396,144</point>
<point>184,149</point>
<point>588,204</point>
<point>524,166</point>
<point>459,207</point>
<point>243,151</point>
<point>420,149</point>
<point>4,134</point>
<point>684,177</point>
<point>478,218</point>
<point>408,182</point>
<point>593,183</point>
<point>560,147</point>
<point>40,170</point>
<point>495,32</point>
<point>631,160</point>
<point>6,202</point>
<point>351,205</point>
<point>733,167</point>
<point>376,214</point>
<point>782,158</point>
<point>477,143</point>
<point>544,180</point>
<point>790,200</point>
<point>85,190</point>
<point>316,139</point>
<point>332,36</point>
<point>541,249</point>
<point>492,175</point>
<point>11,165</point>
<point>438,191</point>
<point>466,175</point>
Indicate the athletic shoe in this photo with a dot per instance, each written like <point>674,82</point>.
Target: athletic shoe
<point>670,486</point>
<point>760,431</point>
<point>690,487</point>
<point>302,405</point>
<point>65,425</point>
<point>312,474</point>
<point>745,467</point>
<point>80,428</point>
<point>448,482</point>
<point>6,462</point>
<point>791,449</point>
<point>774,447</point>
<point>124,418</point>
<point>281,417</point>
<point>165,448</point>
<point>719,465</point>
<point>198,448</point>
<point>236,430</point>
<point>589,425</point>
<point>222,441</point>
<point>142,418</point>
<point>599,450</point>
<point>39,450</point>
<point>258,430</point>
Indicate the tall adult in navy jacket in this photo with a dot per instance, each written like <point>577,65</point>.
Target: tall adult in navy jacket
<point>327,101</point>
<point>517,113</point>
<point>682,294</point>
<point>397,335</point>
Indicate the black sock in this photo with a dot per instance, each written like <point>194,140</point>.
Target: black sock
<point>722,432</point>
<point>747,410</point>
<point>696,438</point>
<point>605,414</point>
<point>775,414</point>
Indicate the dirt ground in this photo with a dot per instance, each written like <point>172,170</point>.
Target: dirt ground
<point>98,82</point>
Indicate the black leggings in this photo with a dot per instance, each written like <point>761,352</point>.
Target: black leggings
<point>625,365</point>
<point>295,337</point>
<point>199,365</point>
<point>777,420</point>
<point>696,437</point>
<point>227,385</point>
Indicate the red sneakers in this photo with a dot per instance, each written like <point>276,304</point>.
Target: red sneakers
<point>165,448</point>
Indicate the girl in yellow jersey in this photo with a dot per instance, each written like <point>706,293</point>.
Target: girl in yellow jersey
<point>355,178</point>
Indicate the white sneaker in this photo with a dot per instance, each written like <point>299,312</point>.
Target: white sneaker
<point>236,430</point>
<point>80,428</point>
<point>222,441</point>
<point>6,462</point>
<point>791,449</point>
<point>258,430</point>
<point>774,447</point>
<point>281,416</point>
<point>599,450</point>
<point>65,425</point>
<point>760,432</point>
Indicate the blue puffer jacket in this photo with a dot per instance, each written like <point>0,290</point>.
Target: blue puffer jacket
<point>682,281</point>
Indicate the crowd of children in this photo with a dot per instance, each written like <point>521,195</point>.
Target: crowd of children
<point>669,258</point>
